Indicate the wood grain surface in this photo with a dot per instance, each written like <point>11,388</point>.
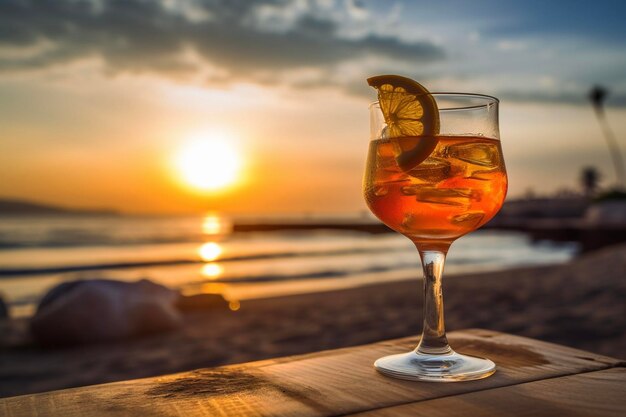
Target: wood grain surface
<point>598,393</point>
<point>532,378</point>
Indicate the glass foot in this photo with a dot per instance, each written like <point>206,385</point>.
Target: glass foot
<point>449,367</point>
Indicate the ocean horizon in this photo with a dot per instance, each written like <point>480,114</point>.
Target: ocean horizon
<point>201,254</point>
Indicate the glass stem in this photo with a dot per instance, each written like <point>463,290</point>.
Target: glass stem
<point>434,341</point>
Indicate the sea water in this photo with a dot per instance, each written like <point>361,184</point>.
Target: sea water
<point>199,254</point>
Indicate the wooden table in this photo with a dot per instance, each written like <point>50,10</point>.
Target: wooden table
<point>533,379</point>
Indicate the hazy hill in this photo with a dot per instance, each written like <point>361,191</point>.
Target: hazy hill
<point>27,208</point>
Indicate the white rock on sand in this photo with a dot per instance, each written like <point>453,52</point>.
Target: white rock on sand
<point>100,310</point>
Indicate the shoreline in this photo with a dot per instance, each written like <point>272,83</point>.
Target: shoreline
<point>261,265</point>
<point>578,304</point>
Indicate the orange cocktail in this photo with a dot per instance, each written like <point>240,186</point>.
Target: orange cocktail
<point>457,189</point>
<point>434,173</point>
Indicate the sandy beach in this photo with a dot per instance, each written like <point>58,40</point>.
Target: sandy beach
<point>579,304</point>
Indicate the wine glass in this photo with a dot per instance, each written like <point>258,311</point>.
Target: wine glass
<point>456,189</point>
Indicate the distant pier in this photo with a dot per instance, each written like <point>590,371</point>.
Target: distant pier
<point>589,236</point>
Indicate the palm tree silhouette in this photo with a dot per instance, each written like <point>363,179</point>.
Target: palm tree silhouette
<point>589,179</point>
<point>597,96</point>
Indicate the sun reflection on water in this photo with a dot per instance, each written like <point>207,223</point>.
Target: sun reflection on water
<point>210,251</point>
<point>216,225</point>
<point>213,288</point>
<point>212,270</point>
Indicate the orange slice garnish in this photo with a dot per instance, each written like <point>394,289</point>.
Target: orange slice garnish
<point>411,115</point>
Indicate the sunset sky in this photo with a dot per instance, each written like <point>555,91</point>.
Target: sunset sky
<point>99,99</point>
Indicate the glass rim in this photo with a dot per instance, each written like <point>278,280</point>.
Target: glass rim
<point>488,98</point>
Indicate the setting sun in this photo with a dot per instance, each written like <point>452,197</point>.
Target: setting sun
<point>209,162</point>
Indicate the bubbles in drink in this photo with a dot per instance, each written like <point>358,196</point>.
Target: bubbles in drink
<point>483,154</point>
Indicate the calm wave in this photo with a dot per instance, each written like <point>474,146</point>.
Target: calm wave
<point>197,254</point>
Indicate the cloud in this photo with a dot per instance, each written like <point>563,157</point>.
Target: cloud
<point>309,44</point>
<point>230,40</point>
<point>508,45</point>
<point>581,98</point>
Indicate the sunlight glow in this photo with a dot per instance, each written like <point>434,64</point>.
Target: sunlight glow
<point>212,270</point>
<point>209,162</point>
<point>210,251</point>
<point>214,288</point>
<point>215,225</point>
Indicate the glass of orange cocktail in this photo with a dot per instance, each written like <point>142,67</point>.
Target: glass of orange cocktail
<point>434,173</point>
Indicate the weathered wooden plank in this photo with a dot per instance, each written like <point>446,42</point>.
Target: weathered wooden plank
<point>324,383</point>
<point>598,393</point>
